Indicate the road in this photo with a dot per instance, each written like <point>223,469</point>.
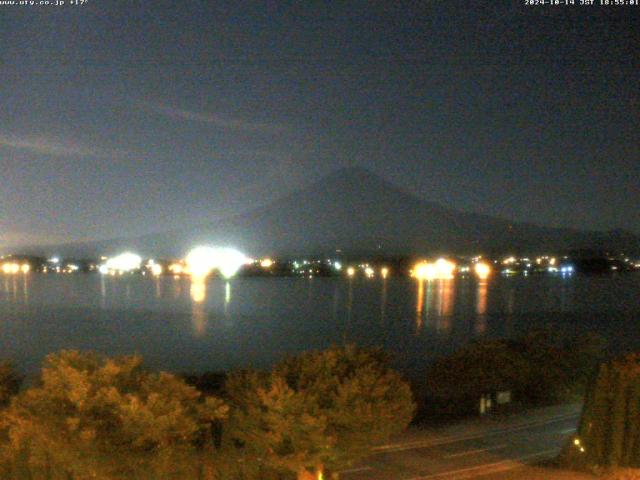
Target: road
<point>483,448</point>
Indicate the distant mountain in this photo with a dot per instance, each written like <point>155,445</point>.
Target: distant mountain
<point>358,212</point>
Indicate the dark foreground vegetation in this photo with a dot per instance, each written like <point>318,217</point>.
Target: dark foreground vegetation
<point>94,417</point>
<point>608,436</point>
<point>537,369</point>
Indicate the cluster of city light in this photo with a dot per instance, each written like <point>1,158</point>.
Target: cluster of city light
<point>201,261</point>
<point>441,269</point>
<point>123,263</point>
<point>13,268</point>
<point>424,271</point>
<point>368,270</point>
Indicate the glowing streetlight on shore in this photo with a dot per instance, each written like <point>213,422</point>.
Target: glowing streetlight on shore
<point>424,271</point>
<point>230,261</point>
<point>444,268</point>
<point>384,272</point>
<point>202,260</point>
<point>351,271</point>
<point>483,270</point>
<point>125,262</point>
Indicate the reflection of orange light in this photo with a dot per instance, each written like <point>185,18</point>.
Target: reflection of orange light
<point>446,298</point>
<point>420,303</point>
<point>483,270</point>
<point>198,290</point>
<point>481,306</point>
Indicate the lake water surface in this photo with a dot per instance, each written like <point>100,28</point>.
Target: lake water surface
<point>181,326</point>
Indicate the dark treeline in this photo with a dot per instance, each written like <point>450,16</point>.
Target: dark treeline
<point>539,368</point>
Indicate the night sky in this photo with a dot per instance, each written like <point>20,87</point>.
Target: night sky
<point>125,117</point>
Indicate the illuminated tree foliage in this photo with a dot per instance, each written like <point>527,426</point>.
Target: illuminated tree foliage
<point>609,431</point>
<point>318,410</point>
<point>107,418</point>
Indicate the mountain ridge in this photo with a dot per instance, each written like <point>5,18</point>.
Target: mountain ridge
<point>358,212</point>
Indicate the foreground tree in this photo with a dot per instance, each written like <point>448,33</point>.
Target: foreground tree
<point>536,368</point>
<point>455,383</point>
<point>609,430</point>
<point>107,418</point>
<point>319,410</point>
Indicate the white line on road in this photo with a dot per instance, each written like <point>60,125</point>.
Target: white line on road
<point>487,468</point>
<point>354,470</point>
<point>477,450</point>
<point>398,447</point>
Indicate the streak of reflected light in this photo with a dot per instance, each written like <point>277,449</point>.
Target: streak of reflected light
<point>481,307</point>
<point>198,293</point>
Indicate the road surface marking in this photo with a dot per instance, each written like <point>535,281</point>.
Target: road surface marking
<point>354,470</point>
<point>398,447</point>
<point>495,467</point>
<point>477,450</point>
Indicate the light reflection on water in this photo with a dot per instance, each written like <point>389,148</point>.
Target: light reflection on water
<point>212,323</point>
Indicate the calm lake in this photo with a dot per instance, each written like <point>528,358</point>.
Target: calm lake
<point>185,327</point>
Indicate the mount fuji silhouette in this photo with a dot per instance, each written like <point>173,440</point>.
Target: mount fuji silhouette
<point>357,212</point>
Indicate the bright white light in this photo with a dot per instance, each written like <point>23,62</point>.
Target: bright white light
<point>444,268</point>
<point>337,266</point>
<point>266,263</point>
<point>103,269</point>
<point>124,262</point>
<point>202,260</point>
<point>351,271</point>
<point>230,261</point>
<point>369,272</point>
<point>54,260</point>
